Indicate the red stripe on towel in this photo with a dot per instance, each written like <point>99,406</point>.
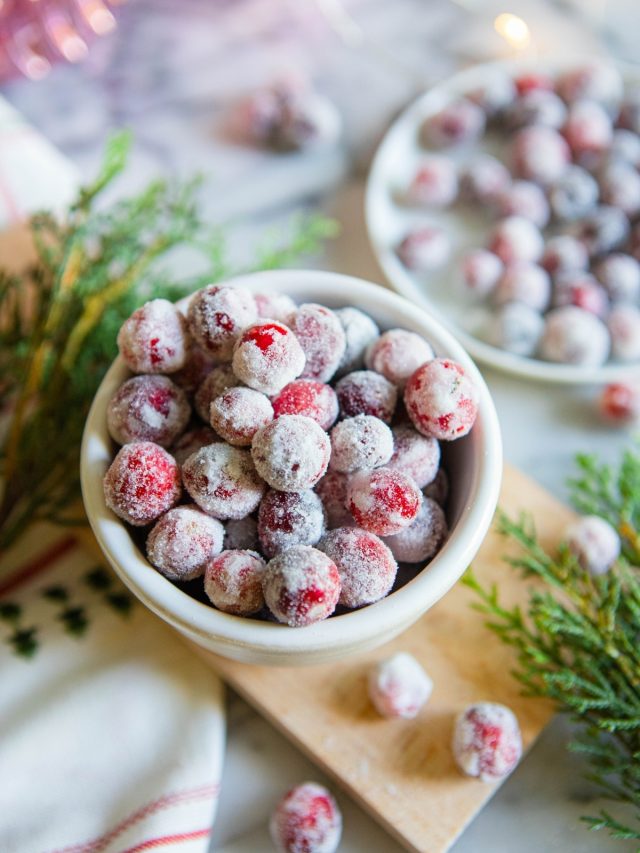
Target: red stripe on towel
<point>168,839</point>
<point>37,565</point>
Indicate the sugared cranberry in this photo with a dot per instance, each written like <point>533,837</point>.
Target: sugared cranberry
<point>573,195</point>
<point>494,94</point>
<point>360,444</point>
<point>422,540</point>
<point>540,154</point>
<point>366,392</point>
<point>484,179</point>
<point>441,400</point>
<point>360,331</point>
<point>397,354</point>
<point>399,686</point>
<point>215,383</point>
<point>516,239</point>
<point>275,306</point>
<point>383,501</point>
<point>154,339</point>
<point>424,249</point>
<point>239,413</point>
<point>619,403</point>
<point>594,542</point>
<point>301,586</point>
<point>532,81</point>
<point>148,408</point>
<point>620,276</point>
<point>286,519</point>
<point>526,283</point>
<point>603,230</point>
<point>536,107</point>
<point>564,254</point>
<point>306,820</point>
<point>583,290</point>
<point>332,491</point>
<point>291,453</point>
<point>267,356</point>
<point>620,187</point>
<point>366,565</point>
<point>322,339</point>
<point>526,199</point>
<point>314,400</point>
<point>455,124</point>
<point>182,541</point>
<point>487,741</point>
<point>574,336</point>
<point>624,327</point>
<point>481,271</point>
<point>588,130</point>
<point>516,328</point>
<point>233,582</point>
<point>223,481</point>
<point>435,184</point>
<point>597,81</point>
<point>217,314</point>
<point>415,454</point>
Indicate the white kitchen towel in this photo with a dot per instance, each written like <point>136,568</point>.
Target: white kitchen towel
<point>111,729</point>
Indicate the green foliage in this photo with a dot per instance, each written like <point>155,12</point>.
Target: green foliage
<point>576,642</point>
<point>59,321</point>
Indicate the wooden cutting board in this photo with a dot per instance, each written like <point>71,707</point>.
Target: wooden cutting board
<point>401,771</point>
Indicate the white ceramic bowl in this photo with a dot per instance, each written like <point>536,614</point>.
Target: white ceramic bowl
<point>388,220</point>
<point>474,464</point>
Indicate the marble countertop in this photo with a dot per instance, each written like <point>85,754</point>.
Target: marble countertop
<point>170,73</point>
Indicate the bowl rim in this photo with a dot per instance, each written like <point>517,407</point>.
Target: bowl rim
<point>203,622</point>
<point>403,282</point>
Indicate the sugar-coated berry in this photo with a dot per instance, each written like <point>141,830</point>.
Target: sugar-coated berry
<point>588,130</point>
<point>540,154</point>
<point>383,501</point>
<point>455,124</point>
<point>536,107</point>
<point>239,413</point>
<point>594,543</point>
<point>574,336</point>
<point>360,444</point>
<point>526,199</point>
<point>148,408</point>
<point>366,392</point>
<point>306,820</point>
<point>516,239</point>
<point>494,94</point>
<point>533,81</point>
<point>154,339</point>
<point>301,586</point>
<point>332,491</point>
<point>182,541</point>
<point>223,481</point>
<point>422,540</point>
<point>142,483</point>
<point>515,327</point>
<point>487,742</point>
<point>484,179</point>
<point>366,565</point>
<point>625,147</point>
<point>233,582</point>
<point>322,339</point>
<point>524,282</point>
<point>291,453</point>
<point>275,306</point>
<point>360,331</point>
<point>215,383</point>
<point>424,249</point>
<point>399,686</point>
<point>315,400</point>
<point>441,400</point>
<point>583,290</point>
<point>620,187</point>
<point>286,519</point>
<point>573,195</point>
<point>241,534</point>
<point>619,403</point>
<point>415,454</point>
<point>481,270</point>
<point>564,253</point>
<point>268,356</point>
<point>217,314</point>
<point>396,354</point>
<point>597,80</point>
<point>603,230</point>
<point>629,115</point>
<point>624,328</point>
<point>196,369</point>
<point>435,184</point>
<point>438,490</point>
<point>191,441</point>
<point>620,276</point>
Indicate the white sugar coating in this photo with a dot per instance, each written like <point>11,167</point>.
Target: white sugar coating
<point>154,339</point>
<point>148,408</point>
<point>241,534</point>
<point>182,541</point>
<point>360,443</point>
<point>360,331</point>
<point>286,519</point>
<point>620,186</point>
<point>397,354</point>
<point>291,453</point>
<point>457,122</point>
<point>624,327</point>
<point>487,743</point>
<point>414,454</point>
<point>620,276</point>
<point>366,565</point>
<point>481,271</point>
<point>594,542</point>
<point>540,154</point>
<point>142,483</point>
<point>239,413</point>
<point>435,182</point>
<point>574,336</point>
<point>524,282</point>
<point>301,586</point>
<point>275,306</point>
<point>233,582</point>
<point>516,328</point>
<point>306,820</point>
<point>383,501</point>
<point>422,540</point>
<point>191,441</point>
<point>332,490</point>
<point>425,249</point>
<point>516,239</point>
<point>268,356</point>
<point>322,338</point>
<point>588,128</point>
<point>441,400</point>
<point>564,253</point>
<point>438,490</point>
<point>223,481</point>
<point>597,80</point>
<point>399,686</point>
<point>524,198</point>
<point>495,93</point>
<point>196,369</point>
<point>217,315</point>
<point>217,381</point>
<point>315,400</point>
<point>366,392</point>
<point>483,179</point>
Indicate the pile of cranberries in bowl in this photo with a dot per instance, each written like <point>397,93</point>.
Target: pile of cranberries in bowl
<point>552,162</point>
<point>278,460</point>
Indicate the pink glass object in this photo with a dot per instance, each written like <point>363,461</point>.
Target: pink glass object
<point>36,33</point>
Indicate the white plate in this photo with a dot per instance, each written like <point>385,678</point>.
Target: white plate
<point>388,220</point>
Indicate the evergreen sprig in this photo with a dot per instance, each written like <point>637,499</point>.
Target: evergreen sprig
<point>58,321</point>
<point>577,639</point>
